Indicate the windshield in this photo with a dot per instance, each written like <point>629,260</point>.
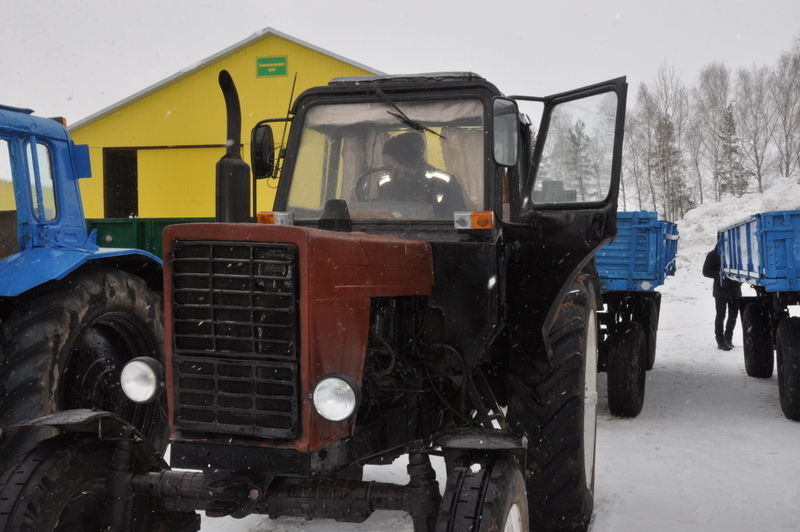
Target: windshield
<point>391,160</point>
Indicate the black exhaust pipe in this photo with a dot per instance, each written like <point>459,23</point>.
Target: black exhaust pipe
<point>233,174</point>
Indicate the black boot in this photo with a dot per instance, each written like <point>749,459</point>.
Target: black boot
<point>722,344</point>
<point>729,340</point>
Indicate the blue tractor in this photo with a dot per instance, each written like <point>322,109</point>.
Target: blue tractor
<point>71,314</point>
<point>631,267</point>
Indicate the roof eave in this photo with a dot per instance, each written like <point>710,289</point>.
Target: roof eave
<point>207,61</point>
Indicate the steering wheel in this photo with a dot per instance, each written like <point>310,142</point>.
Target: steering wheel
<point>363,182</point>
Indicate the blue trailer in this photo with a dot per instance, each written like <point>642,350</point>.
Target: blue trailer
<point>764,251</point>
<point>631,267</point>
<point>71,313</point>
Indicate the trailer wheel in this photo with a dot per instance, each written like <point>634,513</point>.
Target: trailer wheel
<point>627,371</point>
<point>757,341</point>
<point>65,349</point>
<point>648,319</point>
<point>554,403</point>
<point>483,498</point>
<point>788,344</point>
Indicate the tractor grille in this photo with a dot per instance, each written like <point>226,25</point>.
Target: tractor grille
<point>235,337</point>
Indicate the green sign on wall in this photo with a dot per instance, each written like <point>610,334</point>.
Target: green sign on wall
<point>271,66</point>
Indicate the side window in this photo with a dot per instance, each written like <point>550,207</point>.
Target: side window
<point>43,189</point>
<point>314,167</point>
<point>575,165</point>
<point>8,204</point>
<point>7,200</point>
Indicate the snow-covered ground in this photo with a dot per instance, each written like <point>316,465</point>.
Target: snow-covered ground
<point>711,450</point>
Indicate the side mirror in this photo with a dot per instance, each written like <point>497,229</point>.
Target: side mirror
<point>506,131</point>
<point>262,151</point>
<point>83,166</point>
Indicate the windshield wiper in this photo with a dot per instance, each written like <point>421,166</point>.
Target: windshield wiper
<point>400,115</point>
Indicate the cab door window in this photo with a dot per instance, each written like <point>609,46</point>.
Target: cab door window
<point>576,160</point>
<point>42,185</point>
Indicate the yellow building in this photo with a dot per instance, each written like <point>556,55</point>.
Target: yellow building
<point>154,154</point>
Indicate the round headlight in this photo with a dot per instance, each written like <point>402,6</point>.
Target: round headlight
<point>335,398</point>
<point>141,379</point>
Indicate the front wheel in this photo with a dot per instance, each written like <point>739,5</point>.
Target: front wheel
<point>484,497</point>
<point>60,486</point>
<point>788,344</point>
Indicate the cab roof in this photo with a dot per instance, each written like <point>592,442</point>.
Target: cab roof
<point>412,84</point>
<point>20,121</point>
<point>406,78</point>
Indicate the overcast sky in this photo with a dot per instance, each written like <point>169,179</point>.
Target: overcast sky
<point>75,57</point>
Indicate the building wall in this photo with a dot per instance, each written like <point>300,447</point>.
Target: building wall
<point>179,130</point>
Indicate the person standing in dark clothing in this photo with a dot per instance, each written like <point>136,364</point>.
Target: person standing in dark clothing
<point>726,296</point>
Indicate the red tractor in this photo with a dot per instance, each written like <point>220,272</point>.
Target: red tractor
<point>425,286</point>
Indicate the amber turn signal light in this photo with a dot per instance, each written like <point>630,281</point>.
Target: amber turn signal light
<point>275,218</point>
<point>473,220</point>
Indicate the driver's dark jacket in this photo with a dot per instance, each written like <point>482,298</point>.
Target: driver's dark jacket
<point>428,184</point>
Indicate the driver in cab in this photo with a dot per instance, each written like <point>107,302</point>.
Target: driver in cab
<point>413,179</point>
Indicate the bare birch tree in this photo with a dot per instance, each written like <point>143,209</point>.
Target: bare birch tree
<point>785,96</point>
<point>632,162</point>
<point>755,118</point>
<point>710,99</point>
<point>665,113</point>
<point>647,113</point>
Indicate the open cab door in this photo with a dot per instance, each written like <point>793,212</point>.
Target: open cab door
<point>568,203</point>
<point>577,159</point>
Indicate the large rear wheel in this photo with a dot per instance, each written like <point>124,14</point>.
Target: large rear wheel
<point>66,348</point>
<point>554,403</point>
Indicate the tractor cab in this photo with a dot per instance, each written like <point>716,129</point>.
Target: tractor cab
<point>445,151</point>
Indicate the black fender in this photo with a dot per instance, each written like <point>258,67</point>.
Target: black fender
<point>585,268</point>
<point>468,443</point>
<point>469,440</point>
<point>105,425</point>
<point>480,439</point>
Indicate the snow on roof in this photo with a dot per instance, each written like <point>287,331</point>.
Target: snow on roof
<point>262,34</point>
